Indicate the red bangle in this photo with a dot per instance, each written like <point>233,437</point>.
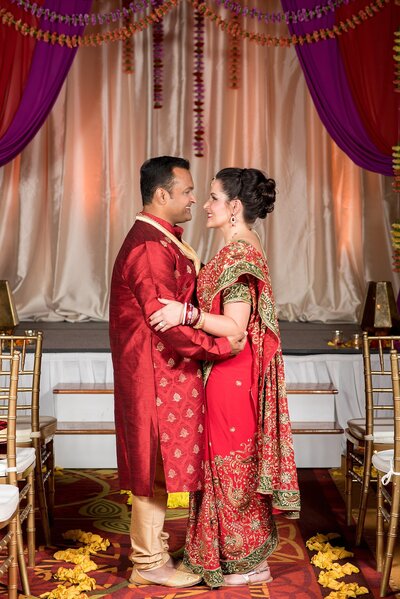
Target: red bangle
<point>196,320</point>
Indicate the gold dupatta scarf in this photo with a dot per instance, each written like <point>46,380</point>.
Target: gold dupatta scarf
<point>185,248</point>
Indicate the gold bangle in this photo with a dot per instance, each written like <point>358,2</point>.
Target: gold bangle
<point>199,324</point>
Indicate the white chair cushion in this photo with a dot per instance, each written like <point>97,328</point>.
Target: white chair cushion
<point>9,499</point>
<point>47,424</point>
<point>382,459</point>
<point>25,458</point>
<point>383,429</point>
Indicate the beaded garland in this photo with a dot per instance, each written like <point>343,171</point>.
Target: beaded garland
<point>74,41</point>
<point>198,83</point>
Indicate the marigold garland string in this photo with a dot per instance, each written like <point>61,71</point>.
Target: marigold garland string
<point>158,66</point>
<point>128,47</point>
<point>7,18</point>
<point>95,39</point>
<point>198,83</point>
<point>234,59</point>
<point>262,39</point>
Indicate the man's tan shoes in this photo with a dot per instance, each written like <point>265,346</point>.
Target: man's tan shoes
<point>165,576</point>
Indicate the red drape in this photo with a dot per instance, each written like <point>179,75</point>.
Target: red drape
<point>367,54</point>
<point>15,62</point>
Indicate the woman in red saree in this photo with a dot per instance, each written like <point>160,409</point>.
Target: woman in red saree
<point>249,466</point>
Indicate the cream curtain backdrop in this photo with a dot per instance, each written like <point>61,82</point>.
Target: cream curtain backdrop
<point>68,200</point>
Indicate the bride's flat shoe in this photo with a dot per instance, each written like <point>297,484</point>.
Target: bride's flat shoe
<point>246,578</point>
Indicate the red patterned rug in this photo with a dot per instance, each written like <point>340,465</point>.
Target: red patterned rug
<point>90,500</point>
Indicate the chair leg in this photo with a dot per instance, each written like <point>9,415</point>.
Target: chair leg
<point>349,483</point>
<point>13,569</point>
<point>30,522</point>
<point>51,482</point>
<point>379,527</point>
<point>364,492</point>
<point>391,540</point>
<point>21,559</point>
<point>41,495</point>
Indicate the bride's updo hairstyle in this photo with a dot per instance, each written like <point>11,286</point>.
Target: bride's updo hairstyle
<point>255,191</point>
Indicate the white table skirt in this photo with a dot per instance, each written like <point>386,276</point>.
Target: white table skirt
<point>344,371</point>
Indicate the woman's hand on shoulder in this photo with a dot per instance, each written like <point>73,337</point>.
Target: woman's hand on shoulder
<point>170,315</point>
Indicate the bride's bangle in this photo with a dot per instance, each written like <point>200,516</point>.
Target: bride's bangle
<point>197,317</point>
<point>184,313</point>
<point>200,323</point>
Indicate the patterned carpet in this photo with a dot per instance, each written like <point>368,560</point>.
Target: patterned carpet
<point>90,500</point>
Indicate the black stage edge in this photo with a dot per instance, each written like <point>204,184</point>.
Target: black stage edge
<point>298,338</point>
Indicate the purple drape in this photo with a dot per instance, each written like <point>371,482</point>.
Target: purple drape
<point>327,81</point>
<point>49,68</point>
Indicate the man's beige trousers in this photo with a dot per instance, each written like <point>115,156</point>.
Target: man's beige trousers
<point>149,541</point>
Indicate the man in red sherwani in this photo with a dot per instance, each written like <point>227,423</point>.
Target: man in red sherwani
<point>157,375</point>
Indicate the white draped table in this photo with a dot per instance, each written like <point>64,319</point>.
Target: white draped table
<point>344,371</point>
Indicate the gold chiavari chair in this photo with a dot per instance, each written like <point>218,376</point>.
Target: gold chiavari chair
<point>15,465</point>
<point>387,463</point>
<point>372,433</point>
<point>9,496</point>
<point>34,429</point>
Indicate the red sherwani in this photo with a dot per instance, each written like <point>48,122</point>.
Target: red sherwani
<point>159,396</point>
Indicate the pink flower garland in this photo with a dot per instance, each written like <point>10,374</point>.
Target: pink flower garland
<point>158,65</point>
<point>130,8</point>
<point>127,46</point>
<point>198,83</point>
<point>298,16</point>
<point>234,29</point>
<point>233,59</point>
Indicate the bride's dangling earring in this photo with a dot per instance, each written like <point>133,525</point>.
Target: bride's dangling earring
<point>233,220</point>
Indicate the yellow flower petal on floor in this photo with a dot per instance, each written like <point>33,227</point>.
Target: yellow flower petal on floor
<point>360,471</point>
<point>94,541</point>
<point>338,552</point>
<point>129,493</point>
<point>322,560</point>
<point>328,579</point>
<point>76,576</point>
<point>63,592</point>
<point>346,569</point>
<point>76,556</point>
<point>317,541</point>
<point>344,590</point>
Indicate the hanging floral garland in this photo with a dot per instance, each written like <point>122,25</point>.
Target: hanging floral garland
<point>95,39</point>
<point>158,65</point>
<point>127,46</point>
<point>262,39</point>
<point>128,9</point>
<point>396,58</point>
<point>198,83</point>
<point>291,16</point>
<point>233,29</point>
<point>234,59</point>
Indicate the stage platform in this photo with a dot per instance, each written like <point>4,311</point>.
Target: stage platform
<point>298,338</point>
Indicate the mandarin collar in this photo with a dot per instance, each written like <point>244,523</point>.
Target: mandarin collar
<point>175,230</point>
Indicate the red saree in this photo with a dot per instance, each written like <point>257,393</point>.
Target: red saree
<point>249,461</point>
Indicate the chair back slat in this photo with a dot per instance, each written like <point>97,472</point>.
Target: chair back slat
<point>394,359</point>
<point>30,347</point>
<point>378,377</point>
